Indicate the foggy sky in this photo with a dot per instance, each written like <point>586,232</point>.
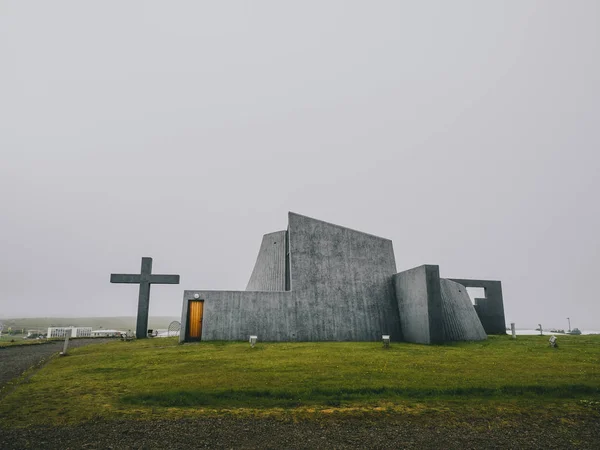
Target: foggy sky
<point>467,132</point>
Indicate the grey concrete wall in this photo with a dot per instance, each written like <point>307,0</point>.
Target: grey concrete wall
<point>343,288</point>
<point>342,282</point>
<point>490,309</point>
<point>269,270</point>
<point>418,296</point>
<point>459,319</point>
<point>235,315</point>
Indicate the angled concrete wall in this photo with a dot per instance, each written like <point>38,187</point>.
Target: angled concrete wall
<point>433,310</point>
<point>342,282</point>
<point>459,319</point>
<point>419,301</point>
<point>491,308</point>
<point>269,270</point>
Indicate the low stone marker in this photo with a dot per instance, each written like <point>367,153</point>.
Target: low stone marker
<point>552,342</point>
<point>127,336</point>
<point>386,340</point>
<point>513,330</point>
<point>66,346</point>
<point>253,340</point>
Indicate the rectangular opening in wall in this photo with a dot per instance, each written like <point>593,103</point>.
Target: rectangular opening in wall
<point>475,292</point>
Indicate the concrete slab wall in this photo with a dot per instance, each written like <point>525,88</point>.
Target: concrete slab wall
<point>269,271</point>
<point>490,310</point>
<point>235,315</point>
<point>460,321</point>
<point>418,295</point>
<point>342,282</point>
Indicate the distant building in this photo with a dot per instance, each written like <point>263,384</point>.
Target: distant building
<point>76,332</point>
<point>107,333</point>
<point>35,333</point>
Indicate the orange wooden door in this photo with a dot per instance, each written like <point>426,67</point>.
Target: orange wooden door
<point>195,313</point>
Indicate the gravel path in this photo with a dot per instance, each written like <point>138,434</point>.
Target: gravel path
<point>389,432</point>
<point>14,360</point>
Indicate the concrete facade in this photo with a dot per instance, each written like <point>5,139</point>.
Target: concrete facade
<point>459,319</point>
<point>419,299</point>
<point>341,280</point>
<point>318,281</point>
<point>235,315</point>
<point>491,308</point>
<point>433,310</point>
<point>269,272</point>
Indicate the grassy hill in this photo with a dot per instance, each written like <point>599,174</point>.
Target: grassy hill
<point>118,323</point>
<point>500,377</point>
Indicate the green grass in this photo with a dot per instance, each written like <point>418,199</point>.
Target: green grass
<point>7,340</point>
<point>160,377</point>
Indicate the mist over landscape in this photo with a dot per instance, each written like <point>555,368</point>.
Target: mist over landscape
<point>466,132</point>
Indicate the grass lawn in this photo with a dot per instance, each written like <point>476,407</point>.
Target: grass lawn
<point>7,340</point>
<point>161,378</point>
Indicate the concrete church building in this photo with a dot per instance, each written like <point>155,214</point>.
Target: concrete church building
<point>317,281</point>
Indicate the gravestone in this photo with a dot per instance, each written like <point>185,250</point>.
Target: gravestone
<point>144,279</point>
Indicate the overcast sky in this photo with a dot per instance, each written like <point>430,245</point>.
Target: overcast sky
<point>468,132</point>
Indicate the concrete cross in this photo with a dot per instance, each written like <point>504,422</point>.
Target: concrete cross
<point>144,279</point>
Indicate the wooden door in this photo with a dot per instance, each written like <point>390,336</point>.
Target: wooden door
<point>194,325</point>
